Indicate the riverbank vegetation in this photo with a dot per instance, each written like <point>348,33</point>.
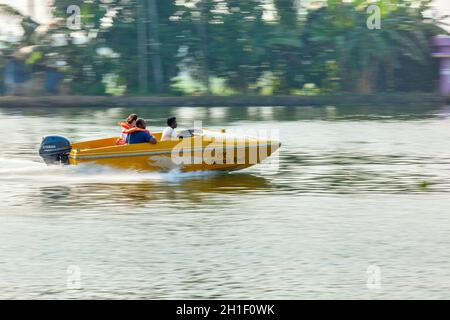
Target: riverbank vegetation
<point>230,47</point>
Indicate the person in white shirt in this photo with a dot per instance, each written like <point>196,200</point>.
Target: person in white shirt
<point>169,133</point>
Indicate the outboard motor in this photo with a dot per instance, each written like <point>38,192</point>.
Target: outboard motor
<point>55,150</point>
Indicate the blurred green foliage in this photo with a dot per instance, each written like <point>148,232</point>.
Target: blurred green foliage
<point>237,47</point>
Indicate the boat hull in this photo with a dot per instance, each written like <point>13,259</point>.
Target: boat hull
<point>202,153</point>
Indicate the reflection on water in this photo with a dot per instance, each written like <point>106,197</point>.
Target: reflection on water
<point>216,115</point>
<point>202,188</point>
<point>354,187</point>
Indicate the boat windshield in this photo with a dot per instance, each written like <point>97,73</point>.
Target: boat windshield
<point>190,133</point>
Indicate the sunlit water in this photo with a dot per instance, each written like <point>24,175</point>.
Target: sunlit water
<point>355,190</point>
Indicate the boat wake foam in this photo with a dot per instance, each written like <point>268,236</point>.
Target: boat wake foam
<point>15,171</point>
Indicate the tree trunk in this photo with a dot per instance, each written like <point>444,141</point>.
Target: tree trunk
<point>287,12</point>
<point>202,32</point>
<point>390,75</point>
<point>157,67</point>
<point>142,47</point>
<point>365,84</point>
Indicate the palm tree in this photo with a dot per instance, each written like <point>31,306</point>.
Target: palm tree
<point>365,55</point>
<point>27,23</point>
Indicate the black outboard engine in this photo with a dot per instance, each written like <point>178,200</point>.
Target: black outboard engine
<point>55,150</point>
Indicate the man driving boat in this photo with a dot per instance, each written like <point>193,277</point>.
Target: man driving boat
<point>169,133</point>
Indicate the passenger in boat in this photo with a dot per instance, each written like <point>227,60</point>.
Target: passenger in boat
<point>127,125</point>
<point>139,134</point>
<point>169,133</point>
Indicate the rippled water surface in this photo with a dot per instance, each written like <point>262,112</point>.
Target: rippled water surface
<point>356,191</point>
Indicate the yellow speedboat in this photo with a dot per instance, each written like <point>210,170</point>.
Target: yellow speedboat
<point>196,150</point>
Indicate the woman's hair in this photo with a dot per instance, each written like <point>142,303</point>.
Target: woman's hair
<point>140,123</point>
<point>132,117</point>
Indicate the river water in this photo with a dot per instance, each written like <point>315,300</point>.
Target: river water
<point>357,205</point>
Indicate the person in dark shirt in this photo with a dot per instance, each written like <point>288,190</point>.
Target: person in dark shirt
<point>141,135</point>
